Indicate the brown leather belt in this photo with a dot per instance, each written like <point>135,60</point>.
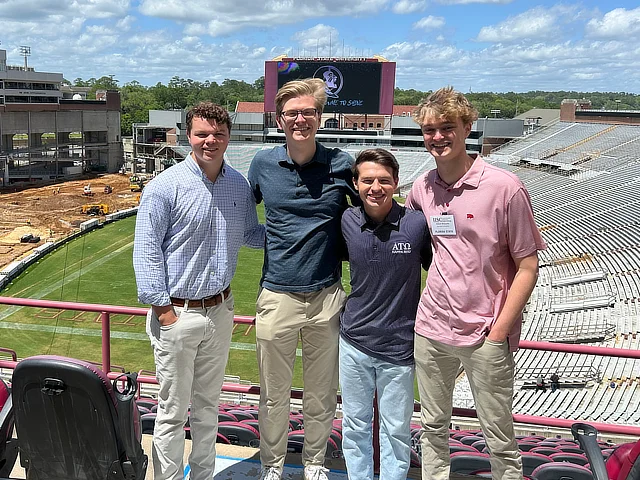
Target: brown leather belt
<point>211,301</point>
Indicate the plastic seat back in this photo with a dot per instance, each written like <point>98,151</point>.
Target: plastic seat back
<point>241,434</point>
<point>71,424</point>
<point>466,462</point>
<point>561,471</point>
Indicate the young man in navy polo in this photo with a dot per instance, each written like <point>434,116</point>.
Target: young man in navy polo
<point>304,187</point>
<point>387,244</point>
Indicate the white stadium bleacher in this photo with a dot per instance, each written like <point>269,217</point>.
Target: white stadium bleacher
<point>590,220</point>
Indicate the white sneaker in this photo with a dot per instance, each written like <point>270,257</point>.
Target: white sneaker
<point>270,473</point>
<point>315,472</point>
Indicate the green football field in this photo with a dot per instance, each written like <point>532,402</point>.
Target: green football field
<point>98,268</point>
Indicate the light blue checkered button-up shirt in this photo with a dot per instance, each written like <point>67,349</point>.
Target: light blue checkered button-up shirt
<point>189,231</point>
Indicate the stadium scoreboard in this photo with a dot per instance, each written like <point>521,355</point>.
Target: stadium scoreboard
<point>356,86</point>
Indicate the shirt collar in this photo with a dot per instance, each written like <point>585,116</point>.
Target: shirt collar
<point>470,178</point>
<point>392,218</point>
<point>195,168</point>
<point>321,156</point>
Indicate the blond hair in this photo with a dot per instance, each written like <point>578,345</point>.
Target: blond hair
<point>447,104</point>
<point>300,88</point>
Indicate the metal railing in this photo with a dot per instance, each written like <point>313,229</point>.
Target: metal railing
<point>107,310</point>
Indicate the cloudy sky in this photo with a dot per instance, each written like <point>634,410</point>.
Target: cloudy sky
<point>477,45</point>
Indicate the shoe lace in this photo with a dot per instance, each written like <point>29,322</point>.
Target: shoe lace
<point>315,472</point>
<point>270,473</point>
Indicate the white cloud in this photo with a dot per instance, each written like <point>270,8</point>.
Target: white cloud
<point>587,76</point>
<point>99,30</point>
<point>619,23</point>
<point>99,8</point>
<point>429,23</point>
<point>125,24</point>
<point>409,6</point>
<point>566,46</point>
<point>319,36</point>
<point>580,65</point>
<point>535,23</point>
<point>224,17</point>
<point>466,2</point>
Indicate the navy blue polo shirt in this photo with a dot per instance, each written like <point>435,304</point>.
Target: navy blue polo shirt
<point>303,206</point>
<point>385,261</point>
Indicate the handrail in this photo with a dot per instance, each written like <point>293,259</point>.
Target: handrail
<point>105,315</point>
<point>107,310</point>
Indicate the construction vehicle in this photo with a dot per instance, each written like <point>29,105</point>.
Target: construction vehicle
<point>108,189</point>
<point>136,182</point>
<point>95,209</point>
<point>86,191</point>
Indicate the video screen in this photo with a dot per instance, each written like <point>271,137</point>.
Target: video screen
<point>352,87</point>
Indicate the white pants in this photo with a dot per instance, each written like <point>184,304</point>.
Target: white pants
<point>191,356</point>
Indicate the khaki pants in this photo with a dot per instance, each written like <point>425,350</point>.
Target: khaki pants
<point>490,369</point>
<point>281,319</point>
<point>190,356</point>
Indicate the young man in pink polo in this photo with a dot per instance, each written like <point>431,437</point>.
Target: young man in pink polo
<point>485,265</point>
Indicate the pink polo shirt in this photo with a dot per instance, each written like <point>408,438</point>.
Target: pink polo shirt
<point>473,268</point>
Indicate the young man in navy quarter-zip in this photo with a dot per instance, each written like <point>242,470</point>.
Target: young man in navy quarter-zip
<point>387,244</point>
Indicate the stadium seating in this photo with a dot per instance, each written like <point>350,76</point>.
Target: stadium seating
<point>72,423</point>
<point>239,433</point>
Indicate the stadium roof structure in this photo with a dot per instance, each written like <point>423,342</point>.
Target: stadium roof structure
<point>547,116</point>
<point>250,107</point>
<point>404,110</point>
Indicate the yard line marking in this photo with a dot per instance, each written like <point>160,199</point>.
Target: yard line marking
<point>91,332</point>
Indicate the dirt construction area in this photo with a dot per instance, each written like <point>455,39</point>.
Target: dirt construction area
<point>53,211</point>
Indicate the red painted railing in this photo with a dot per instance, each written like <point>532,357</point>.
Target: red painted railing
<point>107,310</point>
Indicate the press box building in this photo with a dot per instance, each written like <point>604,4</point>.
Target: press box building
<point>50,131</point>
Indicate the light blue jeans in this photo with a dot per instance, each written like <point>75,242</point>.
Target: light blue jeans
<point>360,377</point>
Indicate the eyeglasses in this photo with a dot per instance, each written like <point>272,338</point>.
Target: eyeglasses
<point>307,113</point>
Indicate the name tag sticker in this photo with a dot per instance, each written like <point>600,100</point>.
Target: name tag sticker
<point>443,225</point>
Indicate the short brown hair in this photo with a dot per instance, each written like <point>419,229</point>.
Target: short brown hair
<point>300,88</point>
<point>376,155</point>
<point>208,111</point>
<point>448,104</point>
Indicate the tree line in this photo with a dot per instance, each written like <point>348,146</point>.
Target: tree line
<point>180,93</point>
